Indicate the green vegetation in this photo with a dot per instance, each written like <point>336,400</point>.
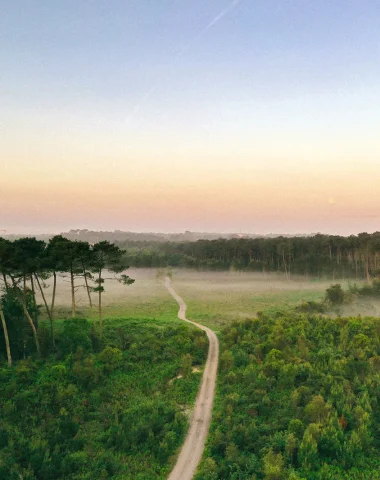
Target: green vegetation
<point>83,401</point>
<point>298,398</point>
<point>336,298</point>
<point>27,262</point>
<point>330,256</point>
<point>217,299</point>
<point>111,408</point>
<point>298,391</point>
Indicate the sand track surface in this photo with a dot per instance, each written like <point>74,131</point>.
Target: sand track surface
<point>192,449</point>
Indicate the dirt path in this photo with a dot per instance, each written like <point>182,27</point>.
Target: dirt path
<point>192,449</point>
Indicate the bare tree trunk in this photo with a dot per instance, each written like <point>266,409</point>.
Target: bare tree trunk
<point>5,281</point>
<point>367,269</point>
<point>47,309</point>
<point>284,263</point>
<point>32,326</point>
<point>72,293</point>
<point>7,346</point>
<point>29,318</point>
<point>375,261</point>
<point>43,295</point>
<point>356,265</point>
<point>88,290</point>
<point>53,297</point>
<point>100,305</point>
<point>33,289</point>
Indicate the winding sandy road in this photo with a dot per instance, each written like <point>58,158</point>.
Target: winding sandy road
<point>192,449</point>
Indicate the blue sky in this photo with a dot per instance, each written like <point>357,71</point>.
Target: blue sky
<point>271,86</point>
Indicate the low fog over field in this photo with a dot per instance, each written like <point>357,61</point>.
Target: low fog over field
<point>144,298</point>
<point>144,288</point>
<point>216,298</point>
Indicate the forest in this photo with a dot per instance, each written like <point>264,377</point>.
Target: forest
<point>87,398</point>
<point>336,257</point>
<point>115,408</point>
<point>298,399</point>
<point>26,263</point>
<point>298,390</point>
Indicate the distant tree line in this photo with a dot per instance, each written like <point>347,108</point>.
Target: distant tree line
<point>356,256</point>
<point>25,265</point>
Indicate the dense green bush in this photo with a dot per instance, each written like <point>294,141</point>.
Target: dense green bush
<point>298,398</point>
<point>20,334</point>
<point>335,295</point>
<point>119,413</point>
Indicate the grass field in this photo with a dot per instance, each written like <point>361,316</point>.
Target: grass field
<point>147,298</point>
<point>213,298</point>
<point>218,298</point>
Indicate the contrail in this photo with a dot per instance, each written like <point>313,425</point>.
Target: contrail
<point>184,49</point>
<point>213,22</point>
<point>223,13</point>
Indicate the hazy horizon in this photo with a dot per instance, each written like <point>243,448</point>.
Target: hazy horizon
<point>221,116</point>
<point>32,232</point>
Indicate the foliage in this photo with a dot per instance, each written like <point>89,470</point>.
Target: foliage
<point>311,307</point>
<point>116,413</point>
<point>371,289</point>
<point>298,398</point>
<point>20,335</point>
<point>335,295</point>
<point>27,262</point>
<point>320,255</point>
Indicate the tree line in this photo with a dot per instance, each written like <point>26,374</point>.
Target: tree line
<point>25,265</point>
<point>356,256</point>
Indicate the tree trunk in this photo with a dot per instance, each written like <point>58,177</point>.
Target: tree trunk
<point>284,263</point>
<point>72,293</point>
<point>53,296</point>
<point>6,337</point>
<point>33,289</point>
<point>43,295</point>
<point>32,326</point>
<point>367,269</point>
<point>88,290</point>
<point>5,281</point>
<point>22,300</point>
<point>356,265</point>
<point>100,305</point>
<point>47,309</point>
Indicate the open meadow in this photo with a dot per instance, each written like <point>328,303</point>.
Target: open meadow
<point>217,299</point>
<point>146,298</point>
<point>214,298</point>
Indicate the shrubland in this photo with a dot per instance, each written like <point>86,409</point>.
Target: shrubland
<point>298,398</point>
<point>115,407</point>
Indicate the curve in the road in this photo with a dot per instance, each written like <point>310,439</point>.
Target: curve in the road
<point>192,449</point>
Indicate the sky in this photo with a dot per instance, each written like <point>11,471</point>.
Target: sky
<point>259,116</point>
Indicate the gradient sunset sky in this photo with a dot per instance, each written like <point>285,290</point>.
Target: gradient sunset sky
<point>170,115</point>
